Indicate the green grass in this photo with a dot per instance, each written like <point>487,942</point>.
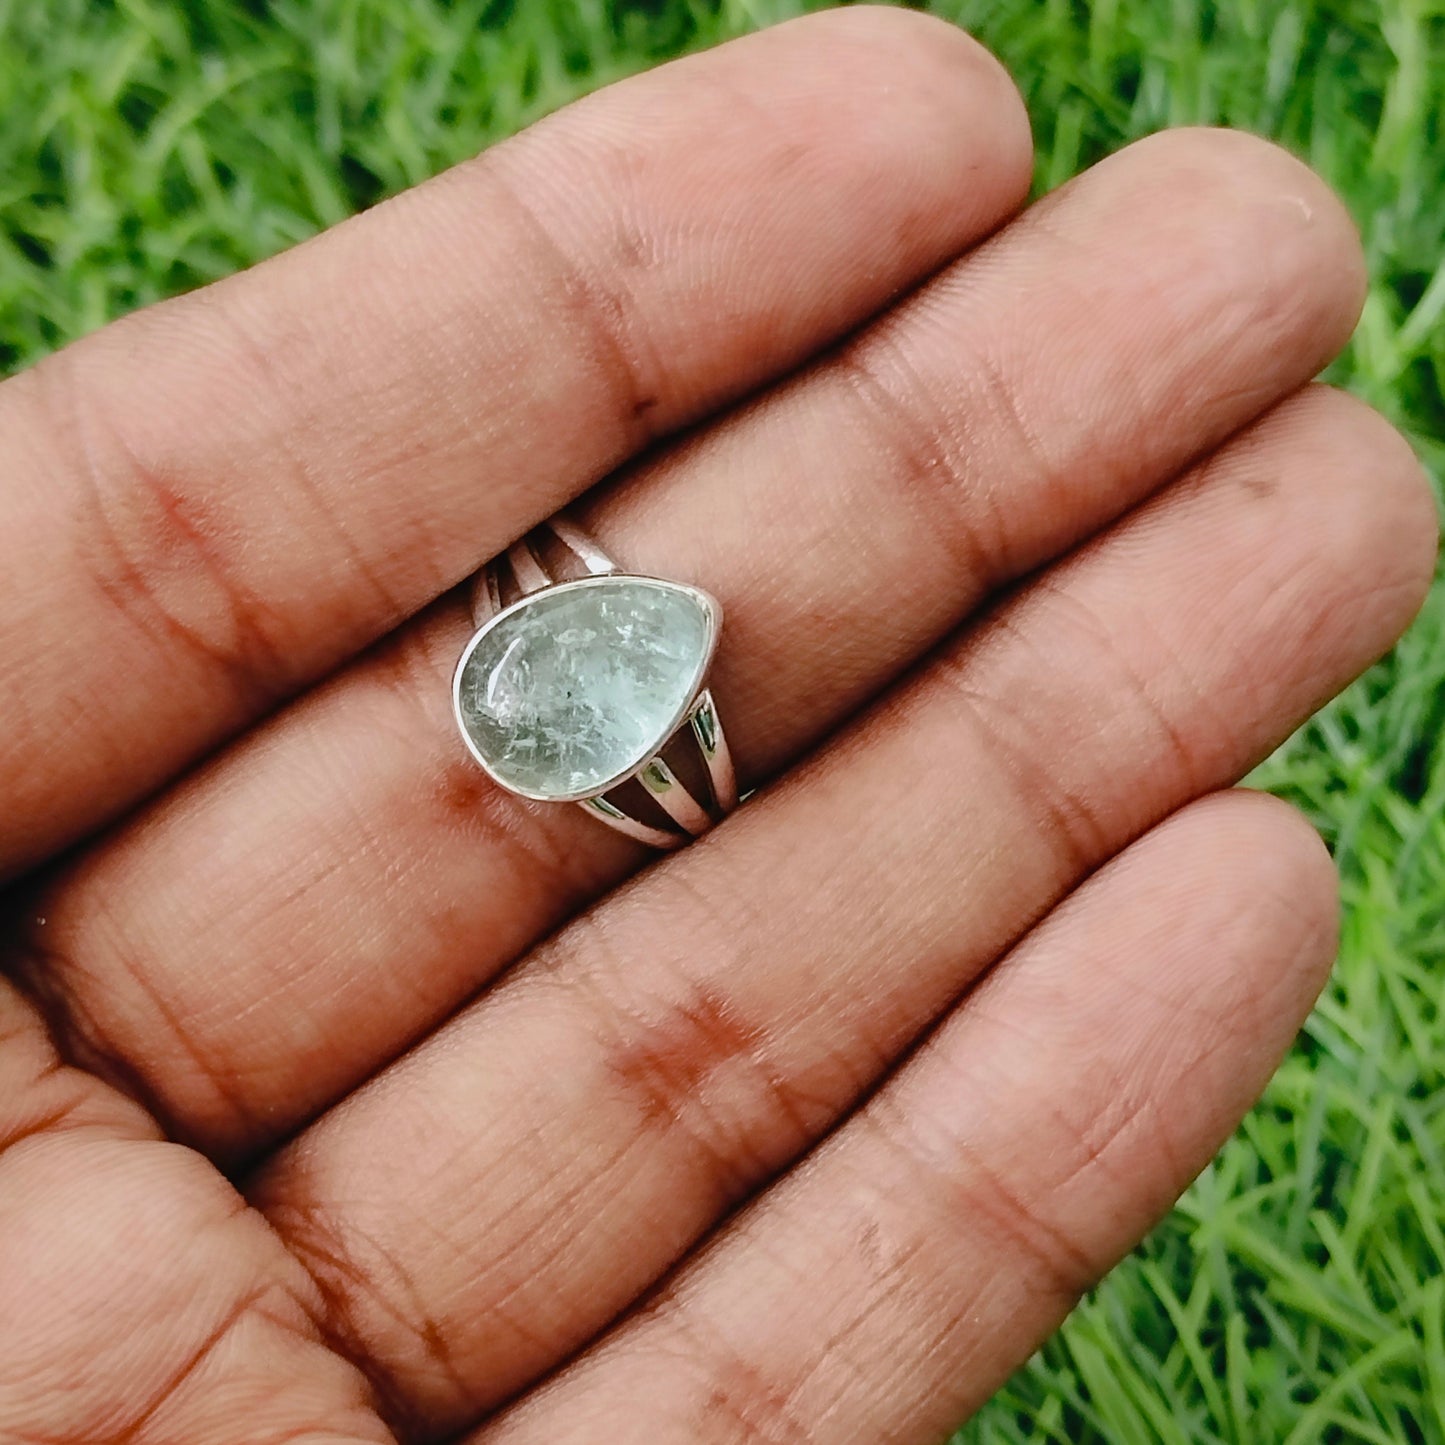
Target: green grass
<point>1298,1292</point>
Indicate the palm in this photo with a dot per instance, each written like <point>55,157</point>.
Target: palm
<point>211,506</point>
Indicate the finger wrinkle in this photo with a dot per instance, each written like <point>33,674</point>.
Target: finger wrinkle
<point>259,352</point>
<point>696,1067</point>
<point>1177,727</point>
<point>607,330</point>
<point>45,963</point>
<point>507,1279</point>
<point>164,565</point>
<point>662,1062</point>
<point>736,1394</point>
<point>346,1263</point>
<point>1074,827</point>
<point>924,459</point>
<point>136,1429</point>
<point>964,1185</point>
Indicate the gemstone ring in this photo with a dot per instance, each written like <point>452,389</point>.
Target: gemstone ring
<point>585,684</point>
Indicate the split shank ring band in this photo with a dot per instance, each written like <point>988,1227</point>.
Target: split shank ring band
<point>585,684</point>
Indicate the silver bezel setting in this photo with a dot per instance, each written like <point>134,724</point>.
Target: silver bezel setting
<point>712,611</point>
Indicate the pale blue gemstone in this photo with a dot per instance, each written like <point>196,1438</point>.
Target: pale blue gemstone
<point>583,682</point>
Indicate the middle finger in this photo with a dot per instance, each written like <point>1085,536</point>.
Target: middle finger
<point>347,876</point>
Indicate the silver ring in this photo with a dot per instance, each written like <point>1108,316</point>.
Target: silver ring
<point>586,684</point>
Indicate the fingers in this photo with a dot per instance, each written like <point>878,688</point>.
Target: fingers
<point>348,876</point>
<point>568,1138</point>
<point>218,499</point>
<point>141,1300</point>
<point>887,1289</point>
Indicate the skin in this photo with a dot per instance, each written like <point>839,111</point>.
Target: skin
<point>346,1099</point>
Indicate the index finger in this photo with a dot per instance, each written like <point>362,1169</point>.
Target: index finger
<point>212,502</point>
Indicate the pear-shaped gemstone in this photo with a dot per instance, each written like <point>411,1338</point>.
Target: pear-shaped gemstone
<point>578,684</point>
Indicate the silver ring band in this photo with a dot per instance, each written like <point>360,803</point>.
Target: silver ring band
<point>587,684</point>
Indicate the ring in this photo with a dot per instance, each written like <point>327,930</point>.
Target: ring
<point>586,684</point>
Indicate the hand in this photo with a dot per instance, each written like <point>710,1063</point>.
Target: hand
<point>1027,569</point>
